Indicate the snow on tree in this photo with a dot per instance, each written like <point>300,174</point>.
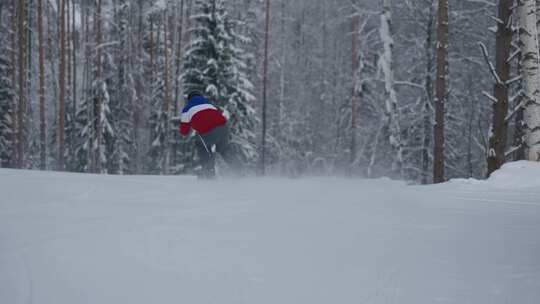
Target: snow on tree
<point>215,64</point>
<point>391,103</point>
<point>96,134</point>
<point>241,98</point>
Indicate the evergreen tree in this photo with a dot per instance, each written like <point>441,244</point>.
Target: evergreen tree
<point>240,100</point>
<point>215,64</point>
<point>96,133</point>
<point>105,129</point>
<point>85,136</point>
<point>209,58</point>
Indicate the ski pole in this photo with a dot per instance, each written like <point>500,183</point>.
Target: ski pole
<point>204,144</point>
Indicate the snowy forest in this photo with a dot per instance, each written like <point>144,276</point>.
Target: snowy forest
<point>420,90</point>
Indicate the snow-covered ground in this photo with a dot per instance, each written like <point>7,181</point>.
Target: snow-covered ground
<point>69,238</point>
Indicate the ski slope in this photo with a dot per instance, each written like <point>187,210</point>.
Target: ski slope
<point>71,238</point>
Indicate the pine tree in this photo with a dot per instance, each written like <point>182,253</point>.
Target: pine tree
<point>104,121</point>
<point>209,57</point>
<point>239,105</point>
<point>96,137</point>
<point>85,135</point>
<point>215,64</point>
<point>96,133</point>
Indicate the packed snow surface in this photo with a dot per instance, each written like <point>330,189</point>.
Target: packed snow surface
<point>73,238</point>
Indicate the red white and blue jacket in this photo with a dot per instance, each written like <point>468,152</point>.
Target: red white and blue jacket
<point>201,115</point>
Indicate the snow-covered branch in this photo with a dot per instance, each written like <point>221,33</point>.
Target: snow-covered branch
<point>490,65</point>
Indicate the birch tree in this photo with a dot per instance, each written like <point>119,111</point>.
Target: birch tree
<point>528,35</point>
<point>391,103</point>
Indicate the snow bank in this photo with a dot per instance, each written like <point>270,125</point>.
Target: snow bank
<point>515,175</point>
<point>512,175</point>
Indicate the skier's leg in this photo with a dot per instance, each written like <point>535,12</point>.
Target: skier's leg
<point>224,148</point>
<point>207,160</point>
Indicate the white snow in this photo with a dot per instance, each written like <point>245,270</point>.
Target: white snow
<point>70,238</point>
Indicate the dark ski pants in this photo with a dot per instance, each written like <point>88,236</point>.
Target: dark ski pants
<point>216,141</point>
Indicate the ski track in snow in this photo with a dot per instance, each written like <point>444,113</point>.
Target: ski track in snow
<point>69,238</point>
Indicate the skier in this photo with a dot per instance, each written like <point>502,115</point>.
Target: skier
<point>211,128</point>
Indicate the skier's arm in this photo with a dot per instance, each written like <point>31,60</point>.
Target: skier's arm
<point>185,128</point>
<point>185,125</point>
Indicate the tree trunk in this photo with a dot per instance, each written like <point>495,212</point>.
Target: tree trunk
<point>265,87</point>
<point>138,106</point>
<point>13,70</point>
<point>355,90</point>
<point>51,57</point>
<point>68,50</point>
<point>391,103</point>
<point>70,136</point>
<point>62,85</point>
<point>178,57</point>
<point>440,95</point>
<point>428,84</point>
<point>29,63</point>
<point>282,69</point>
<point>74,43</point>
<point>21,136</point>
<point>87,83</point>
<point>151,50</point>
<point>519,135</point>
<point>528,36</point>
<point>167,101</point>
<point>98,98</point>
<point>498,132</point>
<point>43,123</point>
